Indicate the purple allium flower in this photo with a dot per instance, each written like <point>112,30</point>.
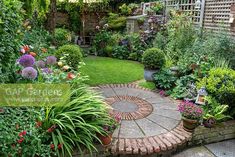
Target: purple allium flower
<point>47,70</point>
<point>40,64</point>
<point>51,60</point>
<point>27,60</point>
<point>29,73</point>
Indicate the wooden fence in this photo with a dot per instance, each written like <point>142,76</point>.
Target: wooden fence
<point>211,15</point>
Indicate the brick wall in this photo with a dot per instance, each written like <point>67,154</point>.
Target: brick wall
<point>222,131</point>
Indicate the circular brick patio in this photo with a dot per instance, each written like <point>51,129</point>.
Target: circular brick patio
<point>150,123</point>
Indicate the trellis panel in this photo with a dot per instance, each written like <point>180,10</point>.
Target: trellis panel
<point>217,15</point>
<point>187,6</point>
<point>214,14</point>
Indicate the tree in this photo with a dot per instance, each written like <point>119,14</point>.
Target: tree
<point>51,17</point>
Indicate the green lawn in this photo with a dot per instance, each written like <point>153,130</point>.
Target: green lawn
<point>103,70</point>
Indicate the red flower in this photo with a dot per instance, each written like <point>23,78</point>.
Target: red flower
<point>26,48</point>
<point>60,146</point>
<point>23,133</point>
<point>70,76</point>
<point>52,146</point>
<point>50,130</point>
<point>20,140</point>
<point>38,124</point>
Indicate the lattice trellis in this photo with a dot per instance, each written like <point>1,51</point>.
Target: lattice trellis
<point>212,15</point>
<point>217,14</point>
<point>187,6</point>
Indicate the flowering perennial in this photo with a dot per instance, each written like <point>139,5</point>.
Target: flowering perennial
<point>190,110</point>
<point>27,60</point>
<point>29,73</point>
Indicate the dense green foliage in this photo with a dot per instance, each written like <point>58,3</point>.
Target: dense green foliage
<point>153,58</point>
<point>221,85</point>
<point>13,142</point>
<point>165,79</point>
<point>10,35</point>
<point>102,70</point>
<point>215,110</point>
<point>78,121</point>
<point>62,36</point>
<point>38,38</point>
<point>72,54</point>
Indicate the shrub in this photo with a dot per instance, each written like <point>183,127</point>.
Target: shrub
<point>38,38</point>
<point>184,88</point>
<point>221,85</point>
<point>121,52</point>
<point>10,36</point>
<point>165,79</point>
<point>73,57</point>
<point>153,58</point>
<point>62,36</point>
<point>116,22</point>
<point>100,41</point>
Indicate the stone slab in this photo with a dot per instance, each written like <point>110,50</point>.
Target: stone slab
<point>168,113</point>
<point>120,90</point>
<point>124,106</point>
<point>107,92</point>
<point>195,152</point>
<point>129,129</point>
<point>169,106</point>
<point>150,128</point>
<point>223,149</point>
<point>167,123</point>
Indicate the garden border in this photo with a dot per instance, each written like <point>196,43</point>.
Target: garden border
<point>164,144</point>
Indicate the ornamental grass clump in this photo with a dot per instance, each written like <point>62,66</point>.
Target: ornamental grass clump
<point>190,111</point>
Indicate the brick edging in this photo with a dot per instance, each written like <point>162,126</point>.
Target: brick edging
<point>158,144</point>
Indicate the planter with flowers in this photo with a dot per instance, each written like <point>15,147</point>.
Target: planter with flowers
<point>153,59</point>
<point>191,114</point>
<point>106,137</point>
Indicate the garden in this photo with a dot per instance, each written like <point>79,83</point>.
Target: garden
<point>148,72</point>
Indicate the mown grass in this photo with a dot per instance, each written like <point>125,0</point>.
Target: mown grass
<point>104,70</point>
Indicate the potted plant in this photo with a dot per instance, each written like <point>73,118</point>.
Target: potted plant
<point>153,59</point>
<point>106,136</point>
<point>158,8</point>
<point>214,112</point>
<point>191,114</point>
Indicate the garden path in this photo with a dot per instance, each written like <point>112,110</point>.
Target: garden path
<point>150,123</point>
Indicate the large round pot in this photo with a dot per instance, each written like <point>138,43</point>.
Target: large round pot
<point>189,124</point>
<point>105,139</point>
<point>148,74</point>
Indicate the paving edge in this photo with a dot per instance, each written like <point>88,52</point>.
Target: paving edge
<point>159,144</point>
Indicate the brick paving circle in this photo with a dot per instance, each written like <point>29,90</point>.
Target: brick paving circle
<point>150,124</point>
<point>129,107</point>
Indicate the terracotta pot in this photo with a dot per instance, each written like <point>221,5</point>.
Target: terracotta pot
<point>189,124</point>
<point>105,139</point>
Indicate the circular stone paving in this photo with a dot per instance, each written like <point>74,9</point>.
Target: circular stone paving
<point>144,113</point>
<point>129,107</point>
<point>150,123</point>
